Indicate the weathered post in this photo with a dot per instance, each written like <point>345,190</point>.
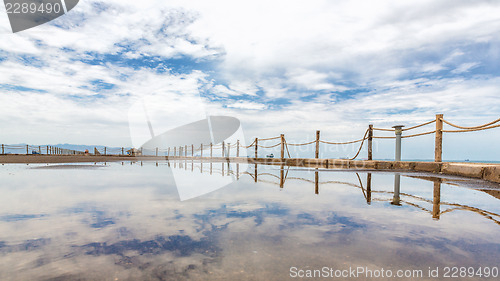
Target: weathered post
<point>39,150</point>
<point>238,148</point>
<point>201,150</point>
<point>370,142</point>
<point>398,131</point>
<point>282,147</point>
<point>175,151</point>
<point>282,176</point>
<point>316,182</point>
<point>122,151</point>
<point>141,153</point>
<point>211,152</point>
<point>47,151</point>
<point>192,150</point>
<point>168,152</point>
<point>185,150</point>
<point>3,149</point>
<point>369,188</point>
<point>316,155</point>
<point>438,149</point>
<point>27,149</point>
<point>228,150</point>
<point>436,202</point>
<point>256,145</point>
<point>157,151</point>
<point>223,148</point>
<point>105,151</point>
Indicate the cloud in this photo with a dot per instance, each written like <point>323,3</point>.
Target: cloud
<point>330,65</point>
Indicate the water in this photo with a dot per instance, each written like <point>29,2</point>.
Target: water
<point>126,221</point>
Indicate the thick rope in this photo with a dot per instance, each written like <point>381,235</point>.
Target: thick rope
<point>380,129</point>
<point>299,144</point>
<point>383,137</point>
<point>414,127</point>
<point>287,151</point>
<point>467,128</point>
<point>269,146</point>
<point>275,138</point>
<point>361,146</point>
<point>349,142</point>
<point>421,134</point>
<point>471,130</point>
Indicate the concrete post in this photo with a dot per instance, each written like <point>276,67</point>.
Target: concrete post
<point>438,148</point>
<point>238,148</point>
<point>397,186</point>
<point>370,142</point>
<point>316,155</point>
<point>398,132</point>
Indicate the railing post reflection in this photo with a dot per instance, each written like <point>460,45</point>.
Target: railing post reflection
<point>201,166</point>
<point>210,167</point>
<point>255,173</point>
<point>316,182</point>
<point>396,200</point>
<point>192,165</point>
<point>222,165</point>
<point>282,176</point>
<point>237,171</point>
<point>228,168</point>
<point>437,200</point>
<point>369,188</point>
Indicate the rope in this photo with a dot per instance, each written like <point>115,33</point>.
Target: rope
<point>299,144</point>
<point>421,134</point>
<point>361,146</point>
<point>383,137</point>
<point>349,142</point>
<point>287,151</point>
<point>414,127</point>
<point>471,130</point>
<point>270,138</point>
<point>466,128</point>
<point>252,144</point>
<point>269,146</point>
<point>380,129</point>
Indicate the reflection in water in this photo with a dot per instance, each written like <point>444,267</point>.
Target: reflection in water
<point>126,222</point>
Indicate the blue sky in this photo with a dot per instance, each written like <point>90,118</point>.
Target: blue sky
<point>280,67</point>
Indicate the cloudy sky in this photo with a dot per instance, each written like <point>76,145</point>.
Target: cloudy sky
<point>279,66</point>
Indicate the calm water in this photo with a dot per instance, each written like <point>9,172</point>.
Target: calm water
<point>160,221</point>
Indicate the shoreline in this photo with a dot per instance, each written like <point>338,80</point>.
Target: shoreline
<point>485,171</point>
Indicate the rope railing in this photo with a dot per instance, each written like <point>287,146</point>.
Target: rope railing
<point>474,127</point>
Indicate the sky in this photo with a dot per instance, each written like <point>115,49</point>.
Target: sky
<point>289,67</point>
